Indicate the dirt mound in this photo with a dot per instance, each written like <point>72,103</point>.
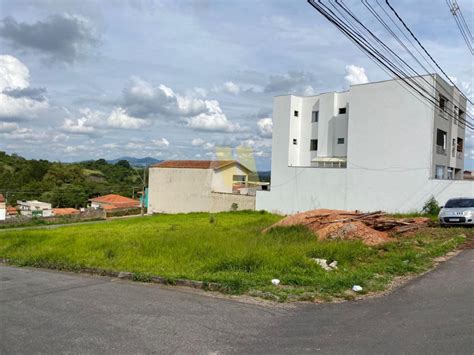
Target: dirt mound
<point>371,228</point>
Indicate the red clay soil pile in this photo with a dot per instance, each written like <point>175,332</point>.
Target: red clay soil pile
<point>371,228</point>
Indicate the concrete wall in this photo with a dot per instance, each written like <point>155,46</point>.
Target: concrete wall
<point>389,154</point>
<point>179,190</point>
<point>194,190</point>
<point>223,202</point>
<point>3,211</point>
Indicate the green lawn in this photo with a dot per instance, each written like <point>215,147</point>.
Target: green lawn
<point>229,249</point>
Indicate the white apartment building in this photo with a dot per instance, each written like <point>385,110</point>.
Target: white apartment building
<point>375,146</point>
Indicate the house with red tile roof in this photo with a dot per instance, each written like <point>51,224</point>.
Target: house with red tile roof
<point>113,202</point>
<point>182,186</point>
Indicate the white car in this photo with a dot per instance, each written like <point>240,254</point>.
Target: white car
<point>457,211</point>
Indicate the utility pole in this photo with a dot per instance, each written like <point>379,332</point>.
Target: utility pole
<point>142,212</point>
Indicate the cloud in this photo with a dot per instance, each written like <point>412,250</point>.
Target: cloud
<point>8,127</point>
<point>265,127</point>
<point>231,88</point>
<point>17,100</point>
<point>213,120</point>
<point>196,142</point>
<point>161,143</point>
<point>355,75</point>
<point>92,123</point>
<point>37,94</point>
<point>78,126</point>
<point>119,118</point>
<point>62,37</point>
<point>142,99</point>
<point>289,82</point>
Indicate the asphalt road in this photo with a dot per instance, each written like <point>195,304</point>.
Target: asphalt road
<point>50,312</point>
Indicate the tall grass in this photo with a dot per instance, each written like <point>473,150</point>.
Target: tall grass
<point>227,248</point>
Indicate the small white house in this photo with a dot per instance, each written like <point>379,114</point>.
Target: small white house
<point>34,208</point>
<point>3,208</point>
<point>182,186</point>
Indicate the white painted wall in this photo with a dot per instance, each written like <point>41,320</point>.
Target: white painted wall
<point>3,211</point>
<point>389,152</point>
<point>178,190</point>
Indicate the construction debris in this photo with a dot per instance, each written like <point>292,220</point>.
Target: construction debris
<point>324,264</point>
<point>372,228</point>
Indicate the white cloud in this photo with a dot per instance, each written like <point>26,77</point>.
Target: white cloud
<point>14,75</point>
<point>119,118</point>
<point>197,142</point>
<point>78,126</point>
<point>162,143</point>
<point>309,91</point>
<point>213,120</point>
<point>231,88</point>
<point>142,99</point>
<point>355,75</point>
<point>8,127</point>
<point>265,127</point>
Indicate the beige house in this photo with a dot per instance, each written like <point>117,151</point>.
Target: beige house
<point>182,186</point>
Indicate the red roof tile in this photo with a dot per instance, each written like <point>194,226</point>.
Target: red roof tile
<point>116,201</point>
<point>195,164</point>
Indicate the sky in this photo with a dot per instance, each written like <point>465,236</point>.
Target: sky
<point>190,79</point>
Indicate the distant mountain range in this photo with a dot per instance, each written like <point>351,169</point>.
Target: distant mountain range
<point>137,162</point>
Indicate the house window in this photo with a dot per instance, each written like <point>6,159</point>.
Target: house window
<point>460,114</point>
<point>342,110</point>
<point>238,178</point>
<point>295,113</point>
<point>340,141</point>
<point>456,114</point>
<point>295,141</point>
<point>453,148</point>
<point>443,102</point>
<point>315,116</point>
<point>439,174</point>
<point>314,144</point>
<point>441,141</point>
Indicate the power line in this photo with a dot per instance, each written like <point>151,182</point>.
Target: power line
<point>454,8</point>
<point>368,47</point>
<point>424,49</point>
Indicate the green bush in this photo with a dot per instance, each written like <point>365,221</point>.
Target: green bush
<point>431,207</point>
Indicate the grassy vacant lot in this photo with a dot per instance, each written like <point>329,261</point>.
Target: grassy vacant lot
<point>229,249</point>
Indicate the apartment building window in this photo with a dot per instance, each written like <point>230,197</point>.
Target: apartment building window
<point>460,147</point>
<point>443,102</point>
<point>314,144</point>
<point>295,113</point>
<point>450,173</point>
<point>315,116</point>
<point>295,141</point>
<point>453,148</point>
<point>439,173</point>
<point>441,142</point>
<point>456,114</point>
<point>342,110</point>
<point>340,141</point>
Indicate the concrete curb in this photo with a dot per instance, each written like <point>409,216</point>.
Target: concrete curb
<point>126,275</point>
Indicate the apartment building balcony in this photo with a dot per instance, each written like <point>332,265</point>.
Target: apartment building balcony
<point>329,162</point>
